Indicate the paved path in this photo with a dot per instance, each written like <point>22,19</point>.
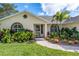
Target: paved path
<point>69,48</point>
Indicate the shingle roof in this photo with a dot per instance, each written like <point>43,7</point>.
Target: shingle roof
<point>48,18</point>
<point>72,19</point>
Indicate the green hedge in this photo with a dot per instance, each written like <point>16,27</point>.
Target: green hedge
<point>21,36</point>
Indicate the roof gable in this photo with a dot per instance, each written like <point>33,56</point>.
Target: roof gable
<point>21,13</point>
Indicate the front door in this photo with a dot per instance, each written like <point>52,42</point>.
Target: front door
<point>39,30</point>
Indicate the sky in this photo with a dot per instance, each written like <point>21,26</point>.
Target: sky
<point>48,9</point>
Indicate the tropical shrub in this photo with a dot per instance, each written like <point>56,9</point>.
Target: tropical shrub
<point>29,35</point>
<point>16,36</point>
<point>6,37</point>
<point>78,36</point>
<point>54,34</point>
<point>69,32</point>
<point>70,35</point>
<point>55,37</point>
<point>22,36</point>
<point>74,33</point>
<point>65,35</point>
<point>1,35</point>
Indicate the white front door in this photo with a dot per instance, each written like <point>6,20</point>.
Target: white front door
<point>39,30</point>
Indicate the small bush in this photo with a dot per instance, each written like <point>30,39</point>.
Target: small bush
<point>54,34</point>
<point>22,36</point>
<point>70,34</point>
<point>67,33</point>
<point>6,37</point>
<point>1,35</point>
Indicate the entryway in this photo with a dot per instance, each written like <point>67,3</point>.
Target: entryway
<point>39,30</point>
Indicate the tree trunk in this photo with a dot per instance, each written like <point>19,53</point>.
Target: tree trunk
<point>60,27</point>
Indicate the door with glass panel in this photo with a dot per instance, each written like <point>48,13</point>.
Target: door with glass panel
<point>39,30</point>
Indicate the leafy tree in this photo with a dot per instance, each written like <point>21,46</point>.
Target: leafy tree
<point>7,9</point>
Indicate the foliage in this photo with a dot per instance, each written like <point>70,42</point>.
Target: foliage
<point>22,36</point>
<point>8,36</point>
<point>78,36</point>
<point>1,35</point>
<point>59,17</point>
<point>7,9</point>
<point>54,34</point>
<point>66,33</point>
<point>75,33</point>
<point>6,39</point>
<point>70,33</point>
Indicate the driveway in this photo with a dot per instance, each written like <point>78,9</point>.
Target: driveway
<point>69,48</point>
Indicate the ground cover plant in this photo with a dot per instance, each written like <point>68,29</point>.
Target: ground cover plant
<point>70,36</point>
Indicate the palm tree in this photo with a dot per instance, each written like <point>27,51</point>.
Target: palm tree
<point>60,16</point>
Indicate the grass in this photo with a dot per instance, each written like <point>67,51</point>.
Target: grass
<point>32,49</point>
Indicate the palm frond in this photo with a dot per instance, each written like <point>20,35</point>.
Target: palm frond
<point>60,16</point>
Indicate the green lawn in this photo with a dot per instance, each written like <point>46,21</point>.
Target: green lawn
<point>32,49</point>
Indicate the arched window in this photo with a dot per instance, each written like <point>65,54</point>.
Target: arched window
<point>17,27</point>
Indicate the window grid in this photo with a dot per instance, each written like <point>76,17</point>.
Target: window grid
<point>17,26</point>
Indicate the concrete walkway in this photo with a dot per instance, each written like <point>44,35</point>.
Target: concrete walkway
<point>69,48</point>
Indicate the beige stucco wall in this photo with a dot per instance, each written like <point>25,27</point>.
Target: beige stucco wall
<point>71,25</point>
<point>27,23</point>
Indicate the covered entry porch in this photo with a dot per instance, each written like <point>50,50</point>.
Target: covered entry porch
<point>43,30</point>
<point>40,30</point>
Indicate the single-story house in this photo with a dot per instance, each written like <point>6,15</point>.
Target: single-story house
<point>40,25</point>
